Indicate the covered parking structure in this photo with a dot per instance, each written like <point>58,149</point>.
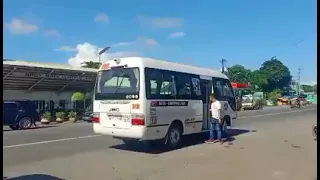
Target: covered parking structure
<point>49,85</point>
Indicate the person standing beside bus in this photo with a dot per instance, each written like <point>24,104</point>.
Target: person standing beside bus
<point>215,121</point>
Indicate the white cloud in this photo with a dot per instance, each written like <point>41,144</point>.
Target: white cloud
<point>151,42</point>
<point>52,32</point>
<point>148,41</point>
<point>20,26</point>
<point>101,18</point>
<point>144,40</point>
<point>161,22</point>
<point>129,43</point>
<point>176,35</point>
<point>66,48</point>
<point>89,52</point>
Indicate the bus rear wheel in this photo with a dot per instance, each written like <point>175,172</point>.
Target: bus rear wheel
<point>174,136</point>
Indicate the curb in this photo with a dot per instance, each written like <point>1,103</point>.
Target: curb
<point>60,124</point>
<point>39,125</point>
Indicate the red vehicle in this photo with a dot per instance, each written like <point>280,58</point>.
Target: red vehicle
<point>238,87</point>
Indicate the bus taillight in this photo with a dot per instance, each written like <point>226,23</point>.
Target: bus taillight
<point>96,118</point>
<point>138,120</point>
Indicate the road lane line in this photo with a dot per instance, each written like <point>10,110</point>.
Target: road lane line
<point>50,141</point>
<point>97,135</point>
<point>270,114</point>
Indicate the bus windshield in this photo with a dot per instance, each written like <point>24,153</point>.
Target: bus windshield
<point>117,83</point>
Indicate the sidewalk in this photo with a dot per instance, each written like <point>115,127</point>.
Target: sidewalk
<point>39,125</point>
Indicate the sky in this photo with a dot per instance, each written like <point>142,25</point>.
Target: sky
<point>246,32</point>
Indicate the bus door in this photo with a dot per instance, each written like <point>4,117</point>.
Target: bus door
<point>206,89</point>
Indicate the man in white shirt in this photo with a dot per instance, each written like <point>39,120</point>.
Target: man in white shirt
<point>215,130</point>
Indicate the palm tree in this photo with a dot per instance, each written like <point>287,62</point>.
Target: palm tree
<point>91,64</point>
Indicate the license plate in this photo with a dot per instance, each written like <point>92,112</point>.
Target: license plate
<point>120,118</point>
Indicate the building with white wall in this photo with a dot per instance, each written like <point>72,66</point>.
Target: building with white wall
<point>49,85</point>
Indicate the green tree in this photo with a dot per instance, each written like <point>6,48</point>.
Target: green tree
<point>78,96</point>
<point>278,74</point>
<point>91,64</point>
<point>238,73</point>
<point>307,88</point>
<point>259,80</point>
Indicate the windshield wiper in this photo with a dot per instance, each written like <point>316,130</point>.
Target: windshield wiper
<point>118,87</point>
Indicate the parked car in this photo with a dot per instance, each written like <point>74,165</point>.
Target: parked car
<point>20,114</point>
<point>87,116</point>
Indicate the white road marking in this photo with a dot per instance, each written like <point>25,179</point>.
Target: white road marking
<point>97,135</point>
<point>270,114</point>
<point>50,141</point>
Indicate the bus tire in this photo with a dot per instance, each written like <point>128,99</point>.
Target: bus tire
<point>174,136</point>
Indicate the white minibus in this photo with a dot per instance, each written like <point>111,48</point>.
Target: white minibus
<point>137,98</point>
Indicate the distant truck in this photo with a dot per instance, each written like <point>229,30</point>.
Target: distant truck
<point>246,98</point>
<point>250,101</point>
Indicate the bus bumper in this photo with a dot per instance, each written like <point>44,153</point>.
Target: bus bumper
<point>135,132</point>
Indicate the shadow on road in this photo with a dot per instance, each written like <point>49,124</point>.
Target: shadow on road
<point>189,140</point>
<point>34,177</point>
<point>34,127</point>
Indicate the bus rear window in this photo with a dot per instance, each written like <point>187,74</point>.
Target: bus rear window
<point>118,82</point>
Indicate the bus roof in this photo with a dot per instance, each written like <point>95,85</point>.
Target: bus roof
<point>160,64</point>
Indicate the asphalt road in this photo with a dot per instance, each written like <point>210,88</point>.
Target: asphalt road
<point>37,147</point>
<point>84,130</point>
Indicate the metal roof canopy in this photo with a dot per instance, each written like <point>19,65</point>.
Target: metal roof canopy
<point>20,75</point>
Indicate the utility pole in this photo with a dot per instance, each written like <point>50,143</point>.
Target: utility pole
<point>223,63</point>
<point>298,89</point>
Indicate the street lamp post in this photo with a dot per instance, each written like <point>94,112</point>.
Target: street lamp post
<point>101,52</point>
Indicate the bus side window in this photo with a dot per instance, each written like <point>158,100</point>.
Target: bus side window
<point>230,95</point>
<point>153,86</point>
<point>196,88</point>
<point>218,89</point>
<point>167,88</point>
<point>168,85</point>
<point>224,91</point>
<point>159,84</point>
<point>227,89</point>
<point>183,86</point>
